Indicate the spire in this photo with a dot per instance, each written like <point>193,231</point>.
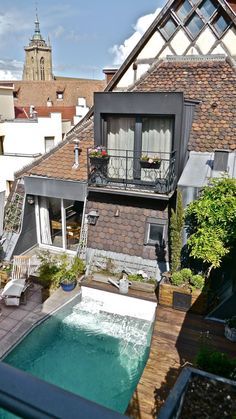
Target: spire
<point>37,35</point>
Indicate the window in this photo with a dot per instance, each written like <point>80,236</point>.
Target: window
<point>221,23</point>
<point>42,72</point>
<point>207,8</point>
<point>195,25</point>
<point>48,143</point>
<point>184,9</point>
<point>1,146</point>
<point>60,222</point>
<point>168,28</point>
<point>155,232</point>
<point>130,137</point>
<point>60,95</point>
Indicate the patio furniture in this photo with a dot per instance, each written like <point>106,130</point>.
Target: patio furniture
<point>16,287</point>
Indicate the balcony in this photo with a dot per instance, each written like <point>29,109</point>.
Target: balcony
<point>124,170</point>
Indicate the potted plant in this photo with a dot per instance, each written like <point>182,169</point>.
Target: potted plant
<point>69,271</point>
<point>230,329</point>
<point>148,162</point>
<point>183,290</point>
<point>97,155</point>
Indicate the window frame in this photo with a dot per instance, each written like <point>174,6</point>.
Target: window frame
<point>48,137</point>
<point>158,222</point>
<point>1,145</point>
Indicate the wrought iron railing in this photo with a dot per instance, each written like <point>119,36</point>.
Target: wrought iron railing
<point>126,169</point>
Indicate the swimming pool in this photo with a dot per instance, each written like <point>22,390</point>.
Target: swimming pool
<point>96,348</point>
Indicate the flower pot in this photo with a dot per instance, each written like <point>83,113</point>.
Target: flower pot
<point>98,161</point>
<point>68,286</point>
<point>146,165</point>
<point>230,333</point>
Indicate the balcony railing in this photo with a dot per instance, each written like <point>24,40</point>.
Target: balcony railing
<point>126,170</point>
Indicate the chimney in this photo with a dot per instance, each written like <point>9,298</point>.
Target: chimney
<point>109,73</point>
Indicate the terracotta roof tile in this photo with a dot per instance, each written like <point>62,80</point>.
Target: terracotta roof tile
<point>67,112</point>
<point>211,82</point>
<point>58,163</point>
<point>37,92</point>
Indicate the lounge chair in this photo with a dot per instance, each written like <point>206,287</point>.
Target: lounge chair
<point>19,281</point>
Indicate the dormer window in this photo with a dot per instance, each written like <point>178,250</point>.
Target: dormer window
<point>59,95</point>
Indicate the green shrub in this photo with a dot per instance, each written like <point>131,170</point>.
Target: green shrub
<point>197,281</point>
<point>139,278</point>
<point>177,279</point>
<point>47,268</point>
<point>215,362</point>
<point>186,275</point>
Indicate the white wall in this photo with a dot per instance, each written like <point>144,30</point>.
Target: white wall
<point>6,103</point>
<point>24,138</point>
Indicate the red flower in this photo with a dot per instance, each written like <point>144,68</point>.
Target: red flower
<point>104,153</point>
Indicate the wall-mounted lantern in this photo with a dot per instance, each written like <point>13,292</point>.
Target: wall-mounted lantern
<point>30,199</point>
<point>93,217</point>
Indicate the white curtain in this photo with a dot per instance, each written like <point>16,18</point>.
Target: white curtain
<point>44,221</point>
<point>120,144</point>
<point>156,141</point>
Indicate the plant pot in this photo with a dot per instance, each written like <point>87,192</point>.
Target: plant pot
<point>68,286</point>
<point>146,165</point>
<point>99,161</point>
<point>230,333</point>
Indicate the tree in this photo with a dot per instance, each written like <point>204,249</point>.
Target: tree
<point>176,230</point>
<point>211,222</point>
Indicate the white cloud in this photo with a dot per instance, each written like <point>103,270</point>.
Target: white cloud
<point>59,31</point>
<point>10,70</point>
<point>122,51</point>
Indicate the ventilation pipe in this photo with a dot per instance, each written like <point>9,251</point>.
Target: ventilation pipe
<point>76,154</point>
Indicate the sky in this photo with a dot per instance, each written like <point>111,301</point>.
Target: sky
<point>86,36</point>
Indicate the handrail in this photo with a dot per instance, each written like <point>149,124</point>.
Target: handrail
<point>31,397</point>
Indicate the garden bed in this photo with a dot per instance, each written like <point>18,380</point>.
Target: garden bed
<point>198,394</point>
<point>198,303</point>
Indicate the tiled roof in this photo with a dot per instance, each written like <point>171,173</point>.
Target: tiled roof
<point>58,162</point>
<point>213,82</point>
<point>37,92</point>
<point>67,112</point>
<point>210,82</point>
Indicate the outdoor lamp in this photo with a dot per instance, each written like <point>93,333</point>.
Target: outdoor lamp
<point>92,217</point>
<point>30,199</point>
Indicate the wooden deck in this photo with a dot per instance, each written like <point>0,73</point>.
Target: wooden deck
<point>176,339</point>
<point>175,342</point>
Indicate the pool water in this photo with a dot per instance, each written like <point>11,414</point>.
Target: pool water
<point>85,349</point>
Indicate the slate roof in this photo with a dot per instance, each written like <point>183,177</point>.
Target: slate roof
<point>213,82</point>
<point>37,92</point>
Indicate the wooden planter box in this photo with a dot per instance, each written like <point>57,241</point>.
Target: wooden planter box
<point>198,303</point>
<point>141,286</point>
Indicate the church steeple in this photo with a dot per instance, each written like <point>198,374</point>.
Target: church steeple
<point>38,56</point>
<point>37,35</point>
